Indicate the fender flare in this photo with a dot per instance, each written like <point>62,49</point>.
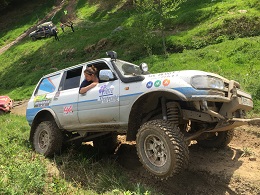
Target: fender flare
<point>40,116</point>
<point>180,95</point>
<point>133,122</point>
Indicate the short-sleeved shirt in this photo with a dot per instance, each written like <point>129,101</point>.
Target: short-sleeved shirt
<point>85,83</point>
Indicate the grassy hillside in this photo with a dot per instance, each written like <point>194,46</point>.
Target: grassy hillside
<point>220,36</point>
<point>217,36</point>
<point>74,172</point>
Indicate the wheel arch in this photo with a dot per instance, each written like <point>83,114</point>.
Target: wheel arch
<point>146,103</point>
<point>43,115</point>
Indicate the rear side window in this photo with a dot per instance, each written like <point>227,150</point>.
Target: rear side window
<point>48,85</point>
<point>71,79</point>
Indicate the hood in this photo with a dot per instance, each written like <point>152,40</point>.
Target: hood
<point>4,99</point>
<point>185,75</point>
<point>32,32</point>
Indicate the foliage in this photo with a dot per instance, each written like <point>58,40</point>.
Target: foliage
<point>74,172</point>
<point>21,172</point>
<point>159,13</point>
<point>220,36</point>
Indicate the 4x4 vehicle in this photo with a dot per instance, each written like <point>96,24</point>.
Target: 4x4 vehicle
<point>43,30</point>
<point>161,112</point>
<point>6,104</point>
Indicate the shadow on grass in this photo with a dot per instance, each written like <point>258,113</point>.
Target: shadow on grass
<point>209,172</point>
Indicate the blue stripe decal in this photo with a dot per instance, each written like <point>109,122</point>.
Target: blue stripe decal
<point>187,91</point>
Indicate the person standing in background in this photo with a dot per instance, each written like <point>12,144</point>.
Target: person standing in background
<point>54,32</point>
<point>62,27</point>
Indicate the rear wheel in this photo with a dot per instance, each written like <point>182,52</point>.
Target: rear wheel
<point>218,139</point>
<point>161,148</point>
<point>47,139</point>
<point>33,38</point>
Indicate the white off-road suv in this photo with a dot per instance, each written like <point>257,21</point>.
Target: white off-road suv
<point>161,112</point>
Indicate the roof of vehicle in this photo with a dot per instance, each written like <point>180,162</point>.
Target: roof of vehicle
<point>78,65</point>
<point>46,24</point>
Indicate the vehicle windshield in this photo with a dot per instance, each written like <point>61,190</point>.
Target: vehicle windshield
<point>127,69</point>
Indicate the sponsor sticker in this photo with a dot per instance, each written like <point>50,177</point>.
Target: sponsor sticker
<point>157,83</point>
<point>68,110</point>
<point>149,84</point>
<point>106,94</point>
<point>41,101</point>
<point>166,82</point>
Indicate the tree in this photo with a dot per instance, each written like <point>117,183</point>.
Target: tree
<point>160,11</point>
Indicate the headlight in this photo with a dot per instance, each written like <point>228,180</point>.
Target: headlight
<point>144,67</point>
<point>207,82</point>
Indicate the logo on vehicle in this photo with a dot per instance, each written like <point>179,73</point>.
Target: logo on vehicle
<point>68,110</point>
<point>41,101</point>
<point>166,82</point>
<point>157,83</point>
<point>106,94</point>
<point>149,84</point>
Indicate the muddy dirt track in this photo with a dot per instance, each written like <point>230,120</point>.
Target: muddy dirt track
<point>232,170</point>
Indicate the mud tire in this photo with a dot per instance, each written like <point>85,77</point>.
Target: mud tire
<point>161,148</point>
<point>47,139</point>
<point>33,38</point>
<point>218,140</point>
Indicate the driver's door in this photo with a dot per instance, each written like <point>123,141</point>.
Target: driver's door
<point>99,105</point>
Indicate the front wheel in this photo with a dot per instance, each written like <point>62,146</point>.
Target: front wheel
<point>161,148</point>
<point>217,140</point>
<point>47,138</point>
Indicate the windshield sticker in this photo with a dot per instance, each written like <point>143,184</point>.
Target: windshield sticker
<point>106,94</point>
<point>41,101</point>
<point>68,110</point>
<point>157,83</point>
<point>149,84</point>
<point>47,85</point>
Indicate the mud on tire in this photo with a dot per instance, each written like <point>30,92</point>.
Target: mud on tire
<point>217,140</point>
<point>161,148</point>
<point>47,138</point>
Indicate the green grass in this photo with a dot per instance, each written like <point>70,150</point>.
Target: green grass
<point>28,16</point>
<point>74,172</point>
<point>214,36</point>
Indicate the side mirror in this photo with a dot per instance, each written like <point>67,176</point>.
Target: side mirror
<point>106,75</point>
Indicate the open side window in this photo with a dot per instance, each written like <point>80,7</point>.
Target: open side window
<point>71,79</point>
